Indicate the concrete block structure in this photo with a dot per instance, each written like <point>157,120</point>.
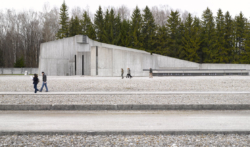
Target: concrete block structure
<point>79,55</point>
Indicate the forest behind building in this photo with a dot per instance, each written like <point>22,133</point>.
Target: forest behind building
<point>214,37</point>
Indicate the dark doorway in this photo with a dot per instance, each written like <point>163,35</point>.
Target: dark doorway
<point>82,64</point>
<point>75,64</point>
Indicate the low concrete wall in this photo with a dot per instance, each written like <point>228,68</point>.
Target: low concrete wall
<point>18,70</point>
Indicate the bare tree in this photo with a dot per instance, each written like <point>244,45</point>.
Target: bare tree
<point>124,12</point>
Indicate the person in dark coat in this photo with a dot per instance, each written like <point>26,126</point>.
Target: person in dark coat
<point>35,82</point>
<point>44,82</point>
<point>129,73</point>
<point>150,73</point>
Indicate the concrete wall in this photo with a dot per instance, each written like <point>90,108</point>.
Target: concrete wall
<point>57,58</point>
<point>18,70</point>
<point>225,66</point>
<point>111,60</point>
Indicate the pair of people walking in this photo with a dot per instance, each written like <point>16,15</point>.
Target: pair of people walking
<point>36,81</point>
<point>128,73</point>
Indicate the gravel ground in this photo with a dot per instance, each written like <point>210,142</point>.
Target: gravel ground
<point>127,99</point>
<point>77,84</point>
<point>124,140</point>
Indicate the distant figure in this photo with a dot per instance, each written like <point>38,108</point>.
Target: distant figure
<point>122,72</point>
<point>44,82</point>
<point>129,73</point>
<point>35,82</point>
<point>150,73</point>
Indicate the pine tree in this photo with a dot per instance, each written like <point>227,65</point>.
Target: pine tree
<point>173,24</point>
<point>87,26</point>
<point>125,33</point>
<point>135,31</point>
<point>191,40</point>
<point>106,28</point>
<point>220,38</point>
<point>148,30</point>
<point>246,43</point>
<point>117,30</point>
<point>63,31</point>
<point>71,27</point>
<point>198,32</point>
<point>99,25</point>
<point>75,27</point>
<point>161,41</point>
<point>229,37</point>
<point>209,51</point>
<point>240,24</point>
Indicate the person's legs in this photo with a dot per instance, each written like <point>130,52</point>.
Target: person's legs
<point>46,87</point>
<point>42,87</point>
<point>35,87</point>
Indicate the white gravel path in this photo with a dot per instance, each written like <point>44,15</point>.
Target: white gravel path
<point>125,140</point>
<point>127,99</point>
<point>88,84</point>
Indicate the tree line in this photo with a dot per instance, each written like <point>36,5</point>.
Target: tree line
<point>218,38</point>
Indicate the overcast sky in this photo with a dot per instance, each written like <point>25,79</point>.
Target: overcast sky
<point>193,6</point>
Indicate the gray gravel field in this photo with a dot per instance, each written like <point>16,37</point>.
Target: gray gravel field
<point>127,99</point>
<point>124,140</point>
<point>101,84</point>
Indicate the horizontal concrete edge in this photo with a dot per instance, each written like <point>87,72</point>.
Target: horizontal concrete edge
<point>122,93</point>
<point>127,107</point>
<point>132,132</point>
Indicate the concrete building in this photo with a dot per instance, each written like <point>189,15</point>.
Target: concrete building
<point>79,55</point>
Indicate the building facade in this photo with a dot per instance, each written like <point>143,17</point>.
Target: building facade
<point>79,55</point>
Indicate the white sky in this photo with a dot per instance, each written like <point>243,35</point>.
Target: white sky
<point>193,6</point>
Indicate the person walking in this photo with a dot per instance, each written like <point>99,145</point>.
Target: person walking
<point>122,72</point>
<point>35,82</point>
<point>129,73</point>
<point>44,82</point>
<point>150,73</point>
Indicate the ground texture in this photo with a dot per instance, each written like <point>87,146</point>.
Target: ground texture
<point>126,99</point>
<point>219,140</point>
<point>105,84</point>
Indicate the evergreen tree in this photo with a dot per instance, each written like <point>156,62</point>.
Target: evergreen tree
<point>240,24</point>
<point>99,25</point>
<point>148,30</point>
<point>229,37</point>
<point>63,31</point>
<point>125,33</point>
<point>19,63</point>
<point>106,28</point>
<point>209,51</point>
<point>117,30</point>
<point>109,27</point>
<point>198,32</point>
<point>75,27</point>
<point>245,58</point>
<point>173,24</point>
<point>135,31</point>
<point>220,38</point>
<point>191,40</point>
<point>87,26</point>
<point>161,41</point>
<point>180,34</point>
<point>71,26</point>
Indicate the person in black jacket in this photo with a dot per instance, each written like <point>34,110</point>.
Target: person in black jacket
<point>35,82</point>
<point>44,82</point>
